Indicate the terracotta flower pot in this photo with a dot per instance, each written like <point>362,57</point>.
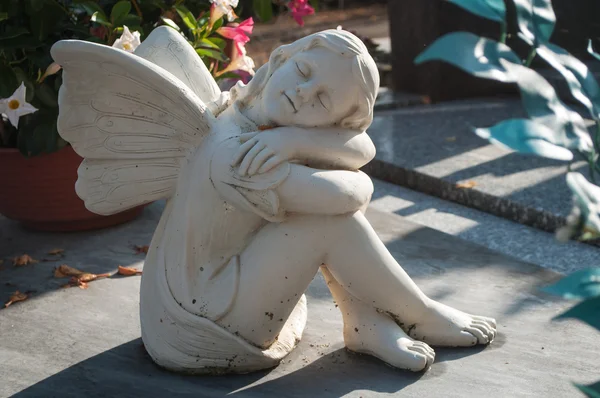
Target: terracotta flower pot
<point>40,193</point>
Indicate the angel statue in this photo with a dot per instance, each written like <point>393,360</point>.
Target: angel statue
<point>263,189</point>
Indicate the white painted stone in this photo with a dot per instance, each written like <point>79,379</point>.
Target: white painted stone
<point>263,190</point>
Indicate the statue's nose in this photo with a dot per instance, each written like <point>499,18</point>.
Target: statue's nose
<point>304,91</point>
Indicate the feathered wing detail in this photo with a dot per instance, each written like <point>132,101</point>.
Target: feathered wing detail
<point>133,122</point>
<point>168,49</point>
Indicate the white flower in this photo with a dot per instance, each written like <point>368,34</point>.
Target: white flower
<point>240,61</point>
<point>225,7</point>
<point>128,41</point>
<point>15,106</point>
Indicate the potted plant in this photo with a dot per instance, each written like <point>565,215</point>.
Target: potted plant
<point>38,169</point>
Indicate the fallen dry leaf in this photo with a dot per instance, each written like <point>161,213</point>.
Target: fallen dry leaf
<point>451,139</point>
<point>65,271</point>
<point>466,185</point>
<point>25,259</point>
<point>16,297</point>
<point>141,249</point>
<point>128,271</point>
<point>1,262</point>
<point>78,278</point>
<point>426,100</point>
<point>56,252</point>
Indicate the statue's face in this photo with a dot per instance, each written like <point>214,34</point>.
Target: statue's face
<point>312,88</point>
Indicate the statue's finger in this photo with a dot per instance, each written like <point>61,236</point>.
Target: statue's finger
<point>248,136</point>
<point>244,149</point>
<point>243,170</point>
<point>270,164</point>
<point>259,160</point>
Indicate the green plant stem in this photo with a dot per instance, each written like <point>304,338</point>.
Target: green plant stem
<point>62,6</point>
<point>530,57</point>
<point>137,9</point>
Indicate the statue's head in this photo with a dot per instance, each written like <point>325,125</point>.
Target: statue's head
<point>324,79</point>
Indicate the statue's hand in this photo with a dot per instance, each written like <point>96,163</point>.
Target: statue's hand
<point>260,152</point>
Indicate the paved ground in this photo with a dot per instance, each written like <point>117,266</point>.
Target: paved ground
<point>72,342</point>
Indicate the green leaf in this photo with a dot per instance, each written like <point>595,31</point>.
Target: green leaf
<point>216,25</point>
<point>101,19</point>
<point>187,17</point>
<point>526,136</point>
<point>8,81</point>
<point>473,54</point>
<point>170,23</point>
<point>3,16</point>
<point>91,7</point>
<point>119,11</point>
<point>264,9</point>
<point>218,55</point>
<point>47,95</point>
<point>587,199</point>
<point>314,4</point>
<point>536,20</point>
<point>12,33</point>
<point>579,285</point>
<point>207,43</point>
<point>587,311</point>
<point>494,10</point>
<point>37,5</point>
<point>132,21</point>
<point>217,41</point>
<point>590,390</point>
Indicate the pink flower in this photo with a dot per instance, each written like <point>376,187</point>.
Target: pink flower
<point>238,32</point>
<point>300,9</point>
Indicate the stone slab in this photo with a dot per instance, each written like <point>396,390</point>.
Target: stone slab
<point>73,342</point>
<point>509,238</point>
<point>431,148</point>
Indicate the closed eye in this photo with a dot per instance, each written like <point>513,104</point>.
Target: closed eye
<point>321,101</point>
<point>304,74</point>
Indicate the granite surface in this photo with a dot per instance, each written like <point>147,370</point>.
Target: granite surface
<point>432,148</point>
<point>74,343</point>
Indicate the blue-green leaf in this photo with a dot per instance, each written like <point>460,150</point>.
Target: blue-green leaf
<point>590,390</point>
<point>581,81</point>
<point>579,285</point>
<point>525,136</point>
<point>536,20</point>
<point>471,53</point>
<point>542,104</point>
<point>490,9</point>
<point>587,311</point>
<point>587,200</point>
<point>591,51</point>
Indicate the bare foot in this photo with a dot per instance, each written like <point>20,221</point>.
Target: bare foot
<point>444,326</point>
<point>374,333</point>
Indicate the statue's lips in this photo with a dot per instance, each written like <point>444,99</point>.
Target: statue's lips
<point>291,102</point>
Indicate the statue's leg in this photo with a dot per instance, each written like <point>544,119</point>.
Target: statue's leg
<point>370,331</point>
<point>282,259</point>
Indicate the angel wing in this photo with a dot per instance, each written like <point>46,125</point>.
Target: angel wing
<point>168,49</point>
<point>133,122</point>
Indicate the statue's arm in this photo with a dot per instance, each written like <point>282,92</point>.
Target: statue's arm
<point>328,192</point>
<point>323,148</point>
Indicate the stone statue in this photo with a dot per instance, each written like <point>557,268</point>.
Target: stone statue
<point>262,189</point>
